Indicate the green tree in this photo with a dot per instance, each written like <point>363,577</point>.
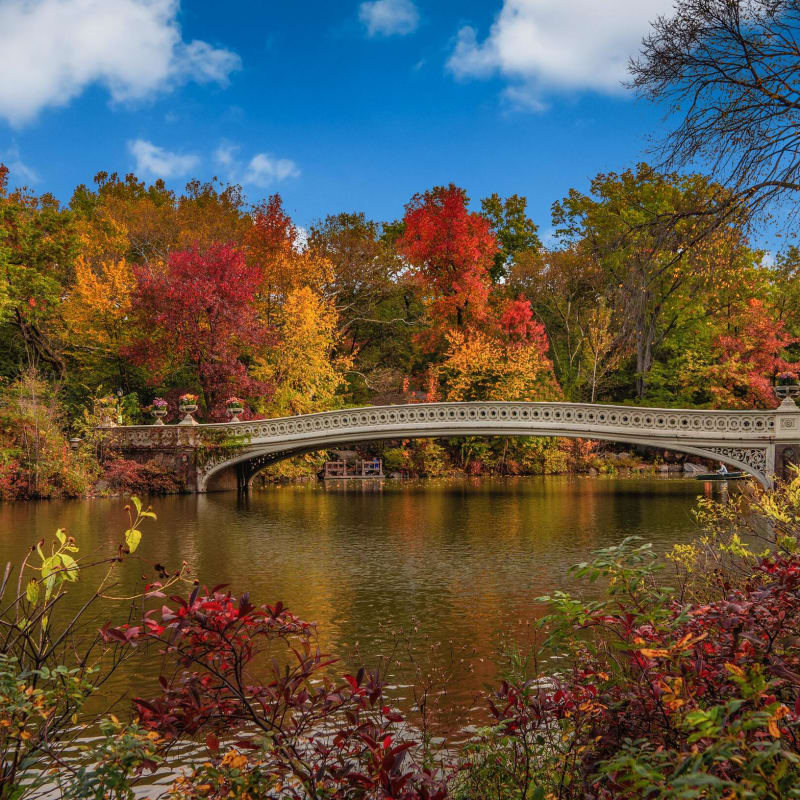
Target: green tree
<point>782,287</point>
<point>38,245</point>
<point>563,287</point>
<point>514,231</point>
<point>377,305</point>
<point>659,258</point>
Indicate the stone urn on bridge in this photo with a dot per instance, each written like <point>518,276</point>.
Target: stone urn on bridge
<point>159,410</point>
<point>188,406</point>
<point>235,408</point>
<point>787,388</point>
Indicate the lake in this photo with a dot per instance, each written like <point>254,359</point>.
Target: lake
<point>461,561</point>
<point>440,575</point>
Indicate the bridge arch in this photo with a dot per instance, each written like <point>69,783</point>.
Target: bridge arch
<point>239,471</point>
<point>744,440</point>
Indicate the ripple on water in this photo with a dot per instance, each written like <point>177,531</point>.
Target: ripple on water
<point>453,566</point>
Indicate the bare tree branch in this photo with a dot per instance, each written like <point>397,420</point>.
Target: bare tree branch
<point>730,71</point>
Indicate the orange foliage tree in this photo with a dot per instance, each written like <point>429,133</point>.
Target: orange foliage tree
<point>272,245</point>
<point>479,366</point>
<point>96,313</point>
<point>748,359</point>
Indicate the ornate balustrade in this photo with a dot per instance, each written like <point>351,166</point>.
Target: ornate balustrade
<point>744,439</point>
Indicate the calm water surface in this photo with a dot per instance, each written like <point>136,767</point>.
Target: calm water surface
<point>455,565</point>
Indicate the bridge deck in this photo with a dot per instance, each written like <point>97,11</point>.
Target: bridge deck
<point>746,440</point>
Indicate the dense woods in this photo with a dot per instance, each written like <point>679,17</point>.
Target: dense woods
<point>132,292</point>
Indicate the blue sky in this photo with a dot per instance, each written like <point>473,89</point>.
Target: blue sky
<point>339,106</point>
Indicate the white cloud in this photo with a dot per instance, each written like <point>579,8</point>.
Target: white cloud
<point>389,17</point>
<point>264,170</point>
<point>261,170</point>
<point>225,155</point>
<point>20,171</point>
<point>158,162</point>
<point>523,97</point>
<point>550,45</point>
<point>52,50</point>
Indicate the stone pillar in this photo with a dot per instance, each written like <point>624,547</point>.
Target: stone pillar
<point>786,456</point>
<point>786,447</point>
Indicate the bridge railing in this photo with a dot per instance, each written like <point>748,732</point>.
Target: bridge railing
<point>757,441</point>
<point>689,423</point>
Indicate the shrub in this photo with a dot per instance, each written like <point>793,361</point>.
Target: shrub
<point>430,458</point>
<point>579,453</point>
<point>52,660</point>
<point>299,467</point>
<point>396,459</point>
<point>654,696</point>
<point>649,692</point>
<point>36,459</point>
<point>127,477</point>
<point>255,675</point>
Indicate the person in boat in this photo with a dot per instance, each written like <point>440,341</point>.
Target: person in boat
<point>723,470</point>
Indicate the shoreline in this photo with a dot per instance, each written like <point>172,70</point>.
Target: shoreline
<point>394,481</point>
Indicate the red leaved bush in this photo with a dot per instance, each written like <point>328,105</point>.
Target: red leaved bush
<point>254,674</point>
<point>14,484</point>
<point>653,686</point>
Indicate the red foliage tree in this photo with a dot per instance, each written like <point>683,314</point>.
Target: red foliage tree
<point>452,250</point>
<point>517,322</point>
<point>750,357</point>
<point>272,229</point>
<point>199,311</point>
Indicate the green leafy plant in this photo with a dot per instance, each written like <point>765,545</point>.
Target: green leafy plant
<point>52,659</point>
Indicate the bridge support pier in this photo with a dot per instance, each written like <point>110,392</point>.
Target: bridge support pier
<point>243,478</point>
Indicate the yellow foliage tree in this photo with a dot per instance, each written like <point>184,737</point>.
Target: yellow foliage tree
<point>301,367</point>
<point>101,237</point>
<point>96,315</point>
<point>287,270</point>
<point>601,355</point>
<point>478,366</point>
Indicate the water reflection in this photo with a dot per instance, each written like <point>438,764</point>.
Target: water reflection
<point>460,561</point>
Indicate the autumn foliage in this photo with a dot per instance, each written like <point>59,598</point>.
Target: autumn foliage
<point>750,356</point>
<point>198,310</point>
<point>254,677</point>
<point>689,691</point>
<point>136,291</point>
<point>451,250</point>
<point>642,689</point>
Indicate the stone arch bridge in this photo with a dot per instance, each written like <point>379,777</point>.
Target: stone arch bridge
<point>222,456</point>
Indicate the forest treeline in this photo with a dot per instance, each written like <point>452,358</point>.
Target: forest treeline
<point>131,293</point>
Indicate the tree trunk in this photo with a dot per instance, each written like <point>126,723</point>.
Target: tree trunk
<point>37,343</point>
<point>644,359</point>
